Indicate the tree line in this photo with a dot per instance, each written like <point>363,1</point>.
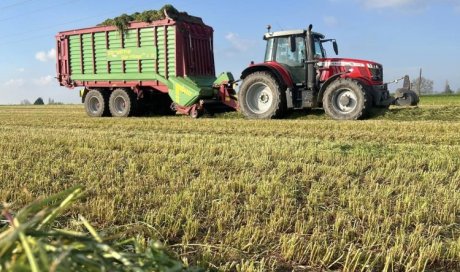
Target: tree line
<point>426,87</point>
<point>40,101</point>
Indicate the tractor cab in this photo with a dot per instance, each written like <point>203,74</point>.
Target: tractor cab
<point>294,50</point>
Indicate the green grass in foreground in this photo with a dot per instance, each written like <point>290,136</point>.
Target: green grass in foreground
<point>30,242</point>
<point>305,193</point>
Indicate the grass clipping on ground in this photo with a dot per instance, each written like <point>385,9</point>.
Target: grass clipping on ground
<point>148,16</point>
<point>29,241</point>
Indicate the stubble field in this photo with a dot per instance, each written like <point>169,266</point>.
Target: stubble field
<point>304,193</point>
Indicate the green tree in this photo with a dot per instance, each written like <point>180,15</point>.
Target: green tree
<point>426,86</point>
<point>39,101</point>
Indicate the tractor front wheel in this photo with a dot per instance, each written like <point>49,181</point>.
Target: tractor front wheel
<point>261,97</point>
<point>346,99</point>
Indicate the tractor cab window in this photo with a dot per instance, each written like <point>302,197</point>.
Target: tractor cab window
<point>284,54</point>
<point>319,49</point>
<point>269,51</point>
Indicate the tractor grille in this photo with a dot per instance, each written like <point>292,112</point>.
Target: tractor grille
<point>376,72</point>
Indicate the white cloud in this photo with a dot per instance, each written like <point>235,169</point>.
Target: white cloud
<point>330,21</point>
<point>14,82</point>
<point>52,54</point>
<point>46,56</point>
<point>387,3</point>
<point>239,44</point>
<point>44,81</point>
<point>21,70</point>
<point>41,56</point>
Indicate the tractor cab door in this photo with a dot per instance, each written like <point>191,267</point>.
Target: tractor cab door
<point>281,50</point>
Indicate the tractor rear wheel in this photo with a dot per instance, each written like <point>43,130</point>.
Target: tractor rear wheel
<point>261,97</point>
<point>122,103</point>
<point>97,103</point>
<point>346,99</point>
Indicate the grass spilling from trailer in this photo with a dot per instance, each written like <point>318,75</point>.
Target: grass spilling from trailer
<point>306,193</point>
<point>148,16</point>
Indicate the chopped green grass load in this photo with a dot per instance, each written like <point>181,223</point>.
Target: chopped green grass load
<point>148,16</point>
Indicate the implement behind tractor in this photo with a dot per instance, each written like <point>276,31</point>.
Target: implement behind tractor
<point>167,66</point>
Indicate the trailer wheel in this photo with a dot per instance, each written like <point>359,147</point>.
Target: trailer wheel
<point>346,99</point>
<point>122,103</point>
<point>261,97</point>
<point>195,113</point>
<point>97,103</point>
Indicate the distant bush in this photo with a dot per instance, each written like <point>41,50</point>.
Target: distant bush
<point>52,102</point>
<point>39,101</point>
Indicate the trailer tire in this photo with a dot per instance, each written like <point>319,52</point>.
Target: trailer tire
<point>346,99</point>
<point>97,103</point>
<point>262,97</point>
<point>122,103</point>
<point>195,113</point>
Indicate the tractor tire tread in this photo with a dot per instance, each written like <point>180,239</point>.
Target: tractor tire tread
<point>363,108</point>
<point>130,98</point>
<point>279,108</point>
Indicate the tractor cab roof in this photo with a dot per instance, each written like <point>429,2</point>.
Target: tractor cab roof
<point>289,33</point>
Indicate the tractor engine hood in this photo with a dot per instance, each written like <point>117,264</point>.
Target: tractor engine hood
<point>355,68</point>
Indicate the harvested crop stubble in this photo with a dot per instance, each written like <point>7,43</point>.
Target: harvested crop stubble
<point>303,193</point>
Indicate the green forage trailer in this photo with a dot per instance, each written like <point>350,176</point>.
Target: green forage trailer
<point>163,66</point>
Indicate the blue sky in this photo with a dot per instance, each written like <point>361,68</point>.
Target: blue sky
<point>403,35</point>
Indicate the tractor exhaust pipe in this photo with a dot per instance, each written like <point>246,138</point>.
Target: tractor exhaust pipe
<point>311,76</point>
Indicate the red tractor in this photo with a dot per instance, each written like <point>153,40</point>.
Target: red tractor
<point>297,74</point>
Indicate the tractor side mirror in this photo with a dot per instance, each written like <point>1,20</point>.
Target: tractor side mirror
<point>292,43</point>
<point>336,47</point>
